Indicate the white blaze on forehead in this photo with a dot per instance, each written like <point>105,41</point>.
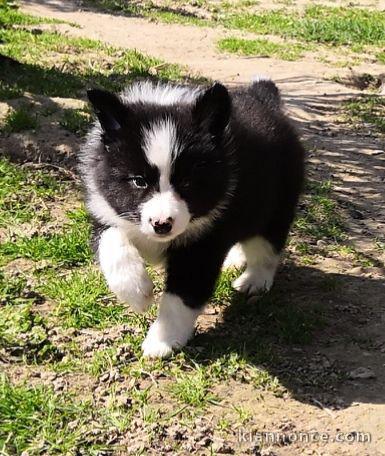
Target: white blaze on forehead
<point>161,146</point>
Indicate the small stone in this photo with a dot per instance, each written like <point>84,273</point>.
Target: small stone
<point>362,373</point>
<point>321,243</point>
<point>124,401</point>
<point>357,270</point>
<point>59,384</point>
<point>357,215</point>
<point>221,447</point>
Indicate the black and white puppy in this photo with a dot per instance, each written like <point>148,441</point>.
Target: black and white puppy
<point>181,175</point>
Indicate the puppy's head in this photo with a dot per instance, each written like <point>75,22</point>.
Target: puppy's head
<point>163,166</point>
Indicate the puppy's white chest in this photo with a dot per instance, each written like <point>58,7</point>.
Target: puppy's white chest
<point>151,251</point>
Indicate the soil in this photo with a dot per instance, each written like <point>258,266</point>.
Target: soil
<point>354,160</point>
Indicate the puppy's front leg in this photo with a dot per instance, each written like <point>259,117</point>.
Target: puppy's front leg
<point>124,269</point>
<point>172,329</point>
<point>191,276</point>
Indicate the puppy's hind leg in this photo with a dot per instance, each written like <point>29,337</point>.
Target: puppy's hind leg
<point>262,261</point>
<point>235,258</point>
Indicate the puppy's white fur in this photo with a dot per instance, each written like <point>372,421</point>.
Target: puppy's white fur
<point>160,94</point>
<point>172,329</point>
<point>235,258</point>
<point>161,148</point>
<point>160,207</point>
<point>262,262</point>
<point>124,269</point>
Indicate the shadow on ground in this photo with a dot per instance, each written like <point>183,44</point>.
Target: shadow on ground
<point>130,8</point>
<point>310,331</point>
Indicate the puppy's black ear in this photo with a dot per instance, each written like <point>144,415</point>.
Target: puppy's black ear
<point>112,114</point>
<point>213,108</point>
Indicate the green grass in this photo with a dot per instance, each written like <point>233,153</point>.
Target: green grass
<point>12,288</point>
<point>318,24</point>
<point>38,421</point>
<point>262,48</point>
<point>281,319</point>
<point>8,91</point>
<point>23,333</point>
<point>11,16</point>
<point>320,218</point>
<point>19,120</point>
<point>69,246</point>
<point>25,193</point>
<point>193,388</point>
<point>82,299</point>
<point>76,121</point>
<point>381,56</point>
<point>66,65</point>
<point>368,109</point>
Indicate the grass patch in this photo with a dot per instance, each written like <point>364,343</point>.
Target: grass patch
<point>76,121</point>
<point>193,388</point>
<point>82,299</point>
<point>381,56</point>
<point>283,319</point>
<point>319,216</point>
<point>23,333</point>
<point>369,110</point>
<point>8,91</point>
<point>69,247</point>
<point>37,421</point>
<point>262,48</point>
<point>317,24</point>
<point>24,193</point>
<point>12,288</point>
<point>11,16</point>
<point>224,292</point>
<point>67,65</point>
<point>19,120</point>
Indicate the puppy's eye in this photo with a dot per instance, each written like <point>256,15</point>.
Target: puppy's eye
<point>139,182</point>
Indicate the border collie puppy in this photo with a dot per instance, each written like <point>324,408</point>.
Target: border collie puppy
<point>179,175</point>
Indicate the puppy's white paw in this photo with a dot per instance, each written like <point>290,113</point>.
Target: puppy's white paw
<point>172,329</point>
<point>235,258</point>
<point>160,344</point>
<point>136,291</point>
<point>254,280</point>
<point>153,347</point>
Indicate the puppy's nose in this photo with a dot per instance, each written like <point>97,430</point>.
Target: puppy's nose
<point>162,226</point>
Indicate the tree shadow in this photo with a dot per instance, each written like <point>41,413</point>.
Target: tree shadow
<point>310,331</point>
<point>129,8</point>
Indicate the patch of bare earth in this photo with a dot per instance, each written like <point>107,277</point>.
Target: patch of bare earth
<point>337,382</point>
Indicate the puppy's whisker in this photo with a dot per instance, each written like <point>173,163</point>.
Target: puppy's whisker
<point>128,216</point>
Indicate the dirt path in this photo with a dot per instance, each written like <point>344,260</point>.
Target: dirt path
<point>353,160</point>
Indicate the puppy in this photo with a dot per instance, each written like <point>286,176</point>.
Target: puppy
<point>179,175</point>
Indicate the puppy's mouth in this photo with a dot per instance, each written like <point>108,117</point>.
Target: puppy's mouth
<point>163,237</point>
